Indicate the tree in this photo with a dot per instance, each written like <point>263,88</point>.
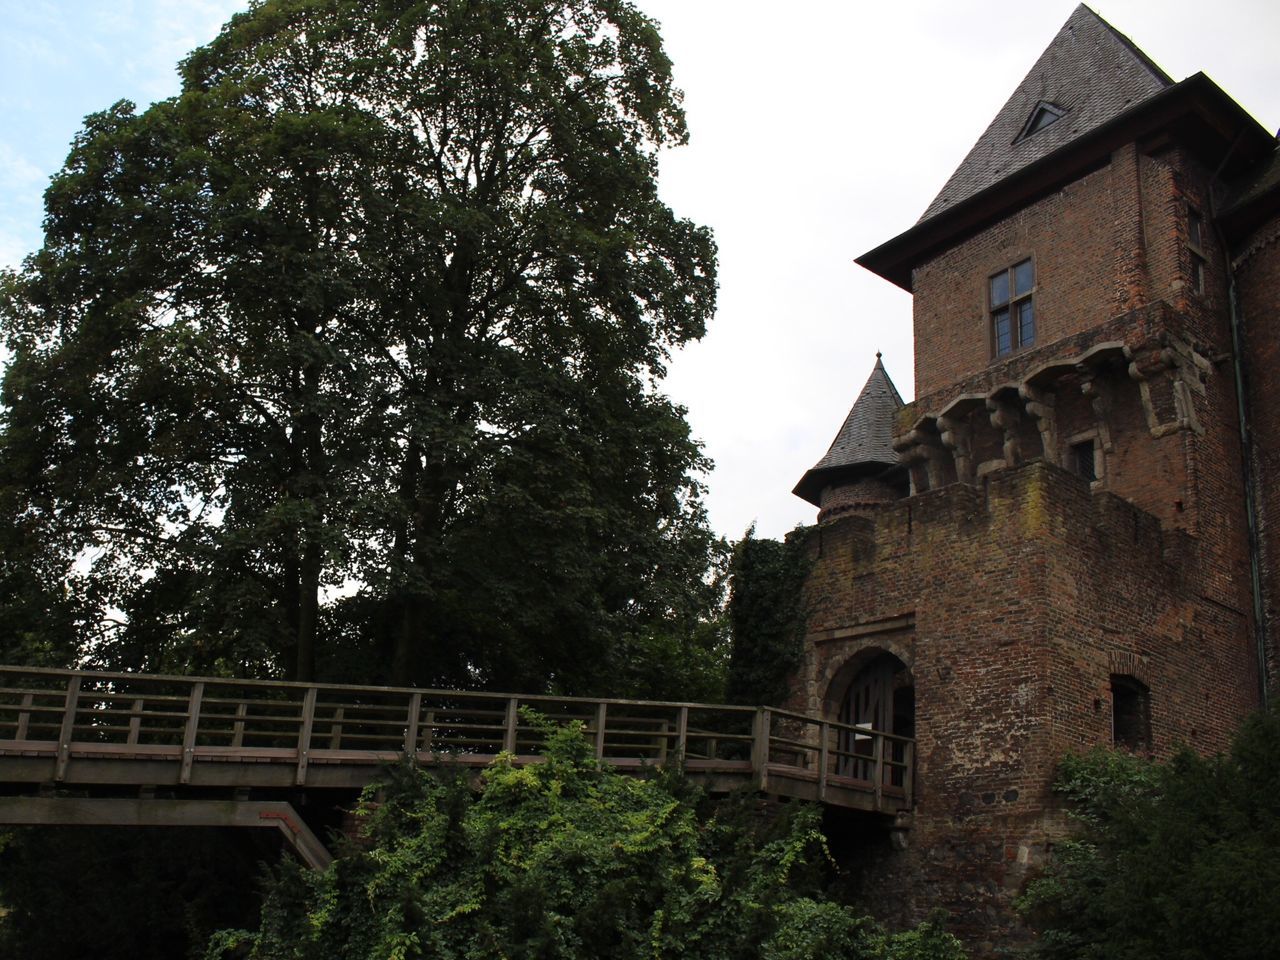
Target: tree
<point>376,310</point>
<point>1174,860</point>
<point>766,616</point>
<point>567,860</point>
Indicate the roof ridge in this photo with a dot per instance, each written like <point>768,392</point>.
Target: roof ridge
<point>1136,50</point>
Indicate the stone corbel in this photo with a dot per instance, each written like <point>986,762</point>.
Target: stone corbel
<point>1097,390</point>
<point>1040,406</point>
<point>1186,369</point>
<point>1005,417</point>
<point>920,453</point>
<point>1190,369</point>
<point>957,438</point>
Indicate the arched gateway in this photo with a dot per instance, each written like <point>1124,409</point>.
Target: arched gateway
<point>876,692</point>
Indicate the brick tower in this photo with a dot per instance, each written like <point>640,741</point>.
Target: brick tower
<point>1067,539</point>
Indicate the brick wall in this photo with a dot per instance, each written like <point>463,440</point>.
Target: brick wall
<point>1012,602</point>
<point>1103,246</point>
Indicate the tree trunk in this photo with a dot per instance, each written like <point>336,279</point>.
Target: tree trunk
<point>308,610</point>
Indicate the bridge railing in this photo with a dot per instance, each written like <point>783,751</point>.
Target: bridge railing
<point>197,720</point>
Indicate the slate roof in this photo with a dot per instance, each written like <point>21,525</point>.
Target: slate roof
<point>865,441</point>
<point>1264,179</point>
<point>1090,72</point>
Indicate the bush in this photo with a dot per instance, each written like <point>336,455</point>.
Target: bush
<point>565,860</point>
<point>1176,860</point>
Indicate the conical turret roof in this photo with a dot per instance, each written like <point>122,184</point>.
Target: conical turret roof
<point>864,444</point>
<point>1088,75</point>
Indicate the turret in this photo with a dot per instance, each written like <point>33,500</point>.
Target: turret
<point>861,468</point>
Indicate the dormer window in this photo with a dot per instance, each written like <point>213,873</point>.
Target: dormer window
<point>1013,316</point>
<point>1042,115</point>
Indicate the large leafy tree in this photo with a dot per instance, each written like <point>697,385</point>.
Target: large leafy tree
<point>347,360</point>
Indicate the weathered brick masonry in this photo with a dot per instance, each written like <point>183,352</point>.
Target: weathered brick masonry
<point>1050,548</point>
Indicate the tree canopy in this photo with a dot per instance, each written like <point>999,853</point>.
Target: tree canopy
<point>766,616</point>
<point>346,361</point>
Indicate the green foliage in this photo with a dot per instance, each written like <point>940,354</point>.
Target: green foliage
<point>566,860</point>
<point>766,616</point>
<point>1178,860</point>
<point>381,302</point>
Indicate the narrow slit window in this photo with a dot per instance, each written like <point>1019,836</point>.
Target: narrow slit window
<point>1195,247</point>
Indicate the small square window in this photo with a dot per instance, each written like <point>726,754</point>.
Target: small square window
<point>1084,460</point>
<point>1012,312</point>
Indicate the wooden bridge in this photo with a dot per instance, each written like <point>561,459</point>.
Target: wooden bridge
<point>87,747</point>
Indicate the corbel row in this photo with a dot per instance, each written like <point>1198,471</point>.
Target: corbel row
<point>939,439</point>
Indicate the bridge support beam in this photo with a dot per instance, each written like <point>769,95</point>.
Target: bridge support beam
<point>124,812</point>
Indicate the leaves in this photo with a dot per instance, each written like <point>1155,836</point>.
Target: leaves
<point>766,616</point>
<point>569,859</point>
<point>1175,860</point>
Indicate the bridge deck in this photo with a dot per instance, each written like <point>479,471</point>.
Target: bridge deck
<point>92,730</point>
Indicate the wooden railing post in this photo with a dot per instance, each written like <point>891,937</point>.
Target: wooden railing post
<point>335,728</point>
<point>411,727</point>
<point>682,733</point>
<point>24,718</point>
<point>760,747</point>
<point>602,720</point>
<point>237,728</point>
<point>509,728</point>
<point>135,720</point>
<point>189,730</point>
<point>304,733</point>
<point>824,735</point>
<point>67,730</point>
<point>908,771</point>
<point>878,748</point>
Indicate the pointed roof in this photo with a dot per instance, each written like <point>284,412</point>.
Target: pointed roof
<point>1088,75</point>
<point>1110,94</point>
<point>865,442</point>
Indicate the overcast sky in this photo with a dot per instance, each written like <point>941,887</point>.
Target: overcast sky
<point>818,130</point>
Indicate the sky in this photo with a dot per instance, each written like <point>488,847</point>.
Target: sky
<point>818,130</point>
